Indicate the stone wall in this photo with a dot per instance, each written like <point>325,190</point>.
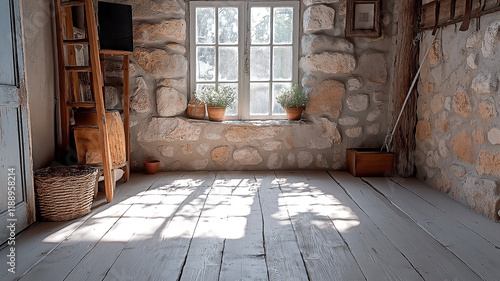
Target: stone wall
<point>458,132</point>
<point>348,80</point>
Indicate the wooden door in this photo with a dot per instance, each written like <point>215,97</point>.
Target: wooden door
<point>17,208</point>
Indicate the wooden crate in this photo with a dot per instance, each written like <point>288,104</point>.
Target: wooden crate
<point>369,162</point>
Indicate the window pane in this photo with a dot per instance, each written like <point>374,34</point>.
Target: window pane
<point>228,64</point>
<point>282,63</point>
<point>260,64</point>
<point>228,26</point>
<point>200,86</point>
<point>260,26</point>
<point>233,109</point>
<point>205,66</point>
<point>277,108</point>
<point>205,25</point>
<point>259,98</point>
<point>283,25</point>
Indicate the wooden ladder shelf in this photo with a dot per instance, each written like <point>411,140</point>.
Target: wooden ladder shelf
<point>70,75</point>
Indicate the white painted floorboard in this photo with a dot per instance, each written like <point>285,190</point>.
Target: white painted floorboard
<point>301,225</point>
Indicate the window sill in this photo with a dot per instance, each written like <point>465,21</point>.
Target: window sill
<point>250,122</point>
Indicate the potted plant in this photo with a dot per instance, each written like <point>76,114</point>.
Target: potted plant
<point>196,108</point>
<point>217,100</point>
<point>293,100</point>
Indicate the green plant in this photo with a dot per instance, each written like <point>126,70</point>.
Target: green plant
<point>221,97</point>
<point>293,97</point>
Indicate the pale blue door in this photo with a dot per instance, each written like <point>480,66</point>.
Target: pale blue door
<point>17,208</point>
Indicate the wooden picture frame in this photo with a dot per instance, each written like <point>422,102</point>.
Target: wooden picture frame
<point>363,18</point>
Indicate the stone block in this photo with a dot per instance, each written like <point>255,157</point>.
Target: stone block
<point>489,163</point>
<point>326,98</point>
<point>423,132</point>
<point>202,149</point>
<point>354,83</point>
<point>320,43</point>
<point>491,38</point>
<point>170,102</point>
<point>494,136</point>
<point>461,145</point>
<point>437,102</point>
<point>485,83</point>
<point>458,170</point>
<point>247,156</point>
<point>356,132</point>
<point>482,195</point>
<point>374,115</point>
<point>314,2</point>
<point>161,63</point>
<point>318,18</point>
<point>487,110</point>
<point>321,161</point>
<point>169,129</point>
<point>167,150</point>
<point>252,133</point>
<point>348,121</point>
<point>472,60</point>
<point>213,131</point>
<point>273,145</point>
<point>373,129</point>
<point>171,8</point>
<point>139,101</point>
<point>304,159</point>
<point>461,103</point>
<point>358,102</point>
<point>478,136</point>
<point>220,154</point>
<point>275,161</point>
<point>172,30</point>
<point>328,63</point>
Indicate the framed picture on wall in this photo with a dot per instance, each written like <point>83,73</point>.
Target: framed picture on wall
<point>363,18</point>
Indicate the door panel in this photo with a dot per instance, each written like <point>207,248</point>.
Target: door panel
<point>7,52</point>
<point>16,186</point>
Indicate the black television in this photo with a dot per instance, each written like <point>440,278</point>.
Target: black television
<point>115,26</point>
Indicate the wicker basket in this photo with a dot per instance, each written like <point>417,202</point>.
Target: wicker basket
<point>65,193</point>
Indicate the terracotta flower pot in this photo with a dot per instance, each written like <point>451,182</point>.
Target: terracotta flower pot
<point>294,113</point>
<point>151,166</point>
<point>216,113</point>
<point>196,111</point>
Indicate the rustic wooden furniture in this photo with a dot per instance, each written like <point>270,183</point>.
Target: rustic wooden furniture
<point>440,13</point>
<point>74,69</point>
<point>368,162</point>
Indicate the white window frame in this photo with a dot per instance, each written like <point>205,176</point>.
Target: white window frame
<point>244,8</point>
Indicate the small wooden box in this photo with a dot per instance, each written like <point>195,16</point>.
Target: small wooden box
<point>369,162</point>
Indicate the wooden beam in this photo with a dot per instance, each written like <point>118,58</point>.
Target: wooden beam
<point>406,67</point>
<point>109,181</point>
<point>126,112</point>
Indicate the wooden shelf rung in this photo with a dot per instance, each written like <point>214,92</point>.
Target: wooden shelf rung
<point>81,104</point>
<point>78,68</point>
<point>71,42</point>
<point>71,3</point>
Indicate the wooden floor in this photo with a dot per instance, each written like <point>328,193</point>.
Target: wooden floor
<point>264,226</point>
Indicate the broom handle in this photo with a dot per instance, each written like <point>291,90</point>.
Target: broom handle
<point>391,134</point>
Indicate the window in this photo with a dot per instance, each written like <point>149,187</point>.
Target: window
<point>251,46</point>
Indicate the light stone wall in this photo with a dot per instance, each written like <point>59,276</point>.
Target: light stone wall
<point>458,132</point>
<point>349,81</point>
